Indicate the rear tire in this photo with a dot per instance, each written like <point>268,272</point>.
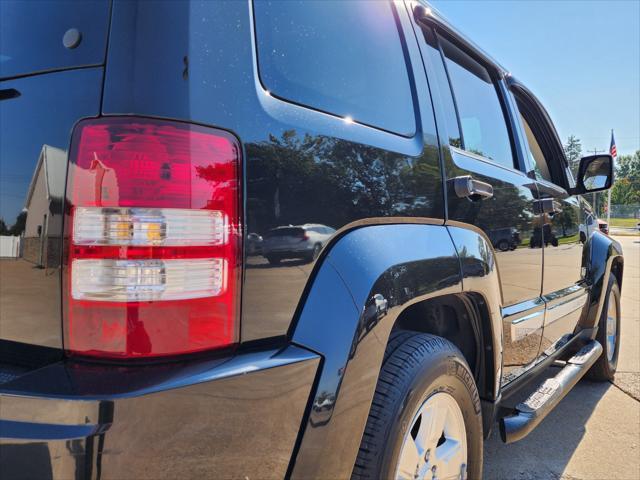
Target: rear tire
<point>274,260</point>
<point>317,248</point>
<point>604,369</point>
<point>422,375</point>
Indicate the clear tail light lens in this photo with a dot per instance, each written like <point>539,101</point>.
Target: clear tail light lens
<point>153,233</point>
<point>147,280</point>
<point>147,226</point>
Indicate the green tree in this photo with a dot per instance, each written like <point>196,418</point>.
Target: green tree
<point>18,227</point>
<point>573,152</point>
<point>628,166</point>
<point>567,219</point>
<point>626,189</point>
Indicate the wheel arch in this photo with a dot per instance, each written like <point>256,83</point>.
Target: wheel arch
<point>464,320</point>
<point>601,257</point>
<point>367,278</point>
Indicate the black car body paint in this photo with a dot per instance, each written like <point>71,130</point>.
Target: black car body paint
<point>313,330</point>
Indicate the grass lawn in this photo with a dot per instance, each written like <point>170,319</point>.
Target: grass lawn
<point>623,222</point>
<point>569,239</point>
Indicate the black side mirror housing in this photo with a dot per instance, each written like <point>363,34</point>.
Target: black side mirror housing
<point>595,174</point>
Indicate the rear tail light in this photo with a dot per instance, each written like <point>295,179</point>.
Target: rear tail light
<point>146,226</point>
<point>153,225</point>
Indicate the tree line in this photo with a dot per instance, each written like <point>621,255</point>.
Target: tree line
<point>17,228</point>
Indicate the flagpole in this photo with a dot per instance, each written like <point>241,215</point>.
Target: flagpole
<point>609,193</point>
<point>609,208</point>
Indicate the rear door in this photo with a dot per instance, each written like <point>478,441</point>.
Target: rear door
<point>37,114</point>
<point>471,109</point>
<point>560,224</point>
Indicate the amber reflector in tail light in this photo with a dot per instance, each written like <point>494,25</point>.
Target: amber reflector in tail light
<point>152,226</point>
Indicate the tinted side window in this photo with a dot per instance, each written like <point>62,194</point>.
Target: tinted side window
<point>484,129</point>
<point>343,58</point>
<point>444,98</point>
<point>536,156</point>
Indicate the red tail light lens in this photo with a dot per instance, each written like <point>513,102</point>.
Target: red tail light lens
<point>153,226</point>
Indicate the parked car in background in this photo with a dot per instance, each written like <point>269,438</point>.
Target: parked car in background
<point>588,226</point>
<point>592,224</point>
<point>505,238</point>
<point>300,241</point>
<point>254,244</point>
<point>603,226</point>
<point>143,147</point>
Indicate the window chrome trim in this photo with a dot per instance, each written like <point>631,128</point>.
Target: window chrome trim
<point>493,163</point>
<point>426,15</point>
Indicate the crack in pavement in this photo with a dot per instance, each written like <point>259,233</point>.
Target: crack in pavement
<point>628,383</point>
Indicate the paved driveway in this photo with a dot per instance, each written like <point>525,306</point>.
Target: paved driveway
<point>595,431</point>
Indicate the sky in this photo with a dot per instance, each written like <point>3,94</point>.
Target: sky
<point>581,58</point>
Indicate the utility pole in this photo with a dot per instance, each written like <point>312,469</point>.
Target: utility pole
<point>593,195</point>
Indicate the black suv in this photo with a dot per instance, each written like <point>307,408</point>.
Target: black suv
<point>147,147</point>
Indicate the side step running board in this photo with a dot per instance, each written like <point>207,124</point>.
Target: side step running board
<point>538,405</point>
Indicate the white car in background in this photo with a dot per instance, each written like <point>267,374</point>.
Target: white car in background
<point>295,241</point>
<point>592,223</point>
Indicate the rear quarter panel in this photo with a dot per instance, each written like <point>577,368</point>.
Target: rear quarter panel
<point>300,165</point>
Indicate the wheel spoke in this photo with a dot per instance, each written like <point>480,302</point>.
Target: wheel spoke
<point>450,456</point>
<point>449,451</point>
<point>409,459</point>
<point>432,426</point>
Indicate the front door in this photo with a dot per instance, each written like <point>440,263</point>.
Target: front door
<point>562,229</point>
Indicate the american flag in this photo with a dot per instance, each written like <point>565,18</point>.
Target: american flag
<point>612,149</point>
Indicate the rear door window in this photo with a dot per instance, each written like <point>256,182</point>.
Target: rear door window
<point>32,33</point>
<point>534,151</point>
<point>343,58</point>
<point>482,119</point>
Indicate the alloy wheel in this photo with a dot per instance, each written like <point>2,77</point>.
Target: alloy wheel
<point>435,447</point>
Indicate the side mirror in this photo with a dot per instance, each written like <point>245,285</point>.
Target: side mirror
<point>595,174</point>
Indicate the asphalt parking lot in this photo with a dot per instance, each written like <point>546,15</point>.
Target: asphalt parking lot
<point>594,434</point>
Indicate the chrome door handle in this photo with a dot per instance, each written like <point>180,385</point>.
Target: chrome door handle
<point>467,187</point>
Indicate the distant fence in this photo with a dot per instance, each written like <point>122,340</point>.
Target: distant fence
<point>9,246</point>
<point>625,211</point>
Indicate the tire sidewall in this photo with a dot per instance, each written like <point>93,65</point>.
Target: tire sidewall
<point>443,372</point>
<point>602,329</point>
